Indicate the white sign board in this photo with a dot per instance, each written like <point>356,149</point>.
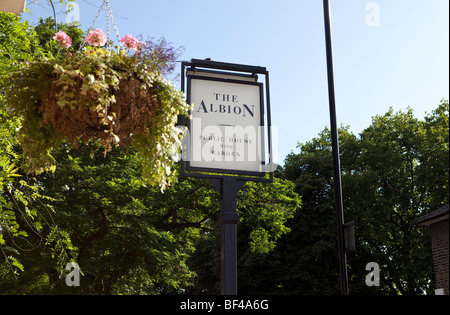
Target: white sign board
<point>226,125</point>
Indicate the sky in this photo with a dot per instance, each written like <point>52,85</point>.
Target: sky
<point>386,53</point>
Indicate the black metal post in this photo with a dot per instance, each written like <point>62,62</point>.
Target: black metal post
<point>229,218</point>
<point>336,159</point>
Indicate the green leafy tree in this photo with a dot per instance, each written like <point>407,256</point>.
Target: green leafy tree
<point>434,162</point>
<point>132,239</point>
<point>395,171</point>
<point>122,244</point>
<point>390,182</point>
<point>311,249</point>
<point>46,31</point>
<point>265,210</point>
<point>18,218</point>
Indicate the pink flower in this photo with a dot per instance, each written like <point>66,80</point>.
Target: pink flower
<point>96,38</point>
<point>63,39</point>
<point>130,42</point>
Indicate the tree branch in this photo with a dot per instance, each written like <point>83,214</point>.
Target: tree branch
<point>54,14</point>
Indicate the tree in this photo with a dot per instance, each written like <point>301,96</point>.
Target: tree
<point>391,181</point>
<point>311,250</point>
<point>19,219</point>
<point>132,239</point>
<point>123,246</point>
<point>395,171</point>
<point>434,170</point>
<point>46,31</point>
<point>264,209</point>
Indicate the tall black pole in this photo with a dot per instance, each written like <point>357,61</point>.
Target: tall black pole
<point>336,159</point>
<point>228,188</point>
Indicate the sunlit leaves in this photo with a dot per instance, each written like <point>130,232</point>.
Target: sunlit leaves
<point>86,82</point>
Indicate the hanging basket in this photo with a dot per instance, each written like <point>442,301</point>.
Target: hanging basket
<point>115,97</point>
<point>83,110</point>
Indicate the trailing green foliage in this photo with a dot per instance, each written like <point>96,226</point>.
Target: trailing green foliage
<point>98,93</point>
<point>18,217</point>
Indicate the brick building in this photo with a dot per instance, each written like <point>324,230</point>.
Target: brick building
<point>438,223</point>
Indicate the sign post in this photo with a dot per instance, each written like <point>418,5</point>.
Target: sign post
<point>229,141</point>
<point>228,188</point>
<point>335,150</point>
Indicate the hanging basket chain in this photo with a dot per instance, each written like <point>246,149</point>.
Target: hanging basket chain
<point>98,14</point>
<point>108,28</point>
<point>109,16</point>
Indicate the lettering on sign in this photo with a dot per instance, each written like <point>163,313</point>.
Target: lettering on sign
<point>227,125</point>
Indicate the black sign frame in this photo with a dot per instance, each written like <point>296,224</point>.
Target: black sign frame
<point>200,68</point>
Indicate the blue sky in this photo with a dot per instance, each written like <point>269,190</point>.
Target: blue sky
<point>386,53</point>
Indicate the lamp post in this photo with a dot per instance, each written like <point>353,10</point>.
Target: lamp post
<point>336,159</point>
